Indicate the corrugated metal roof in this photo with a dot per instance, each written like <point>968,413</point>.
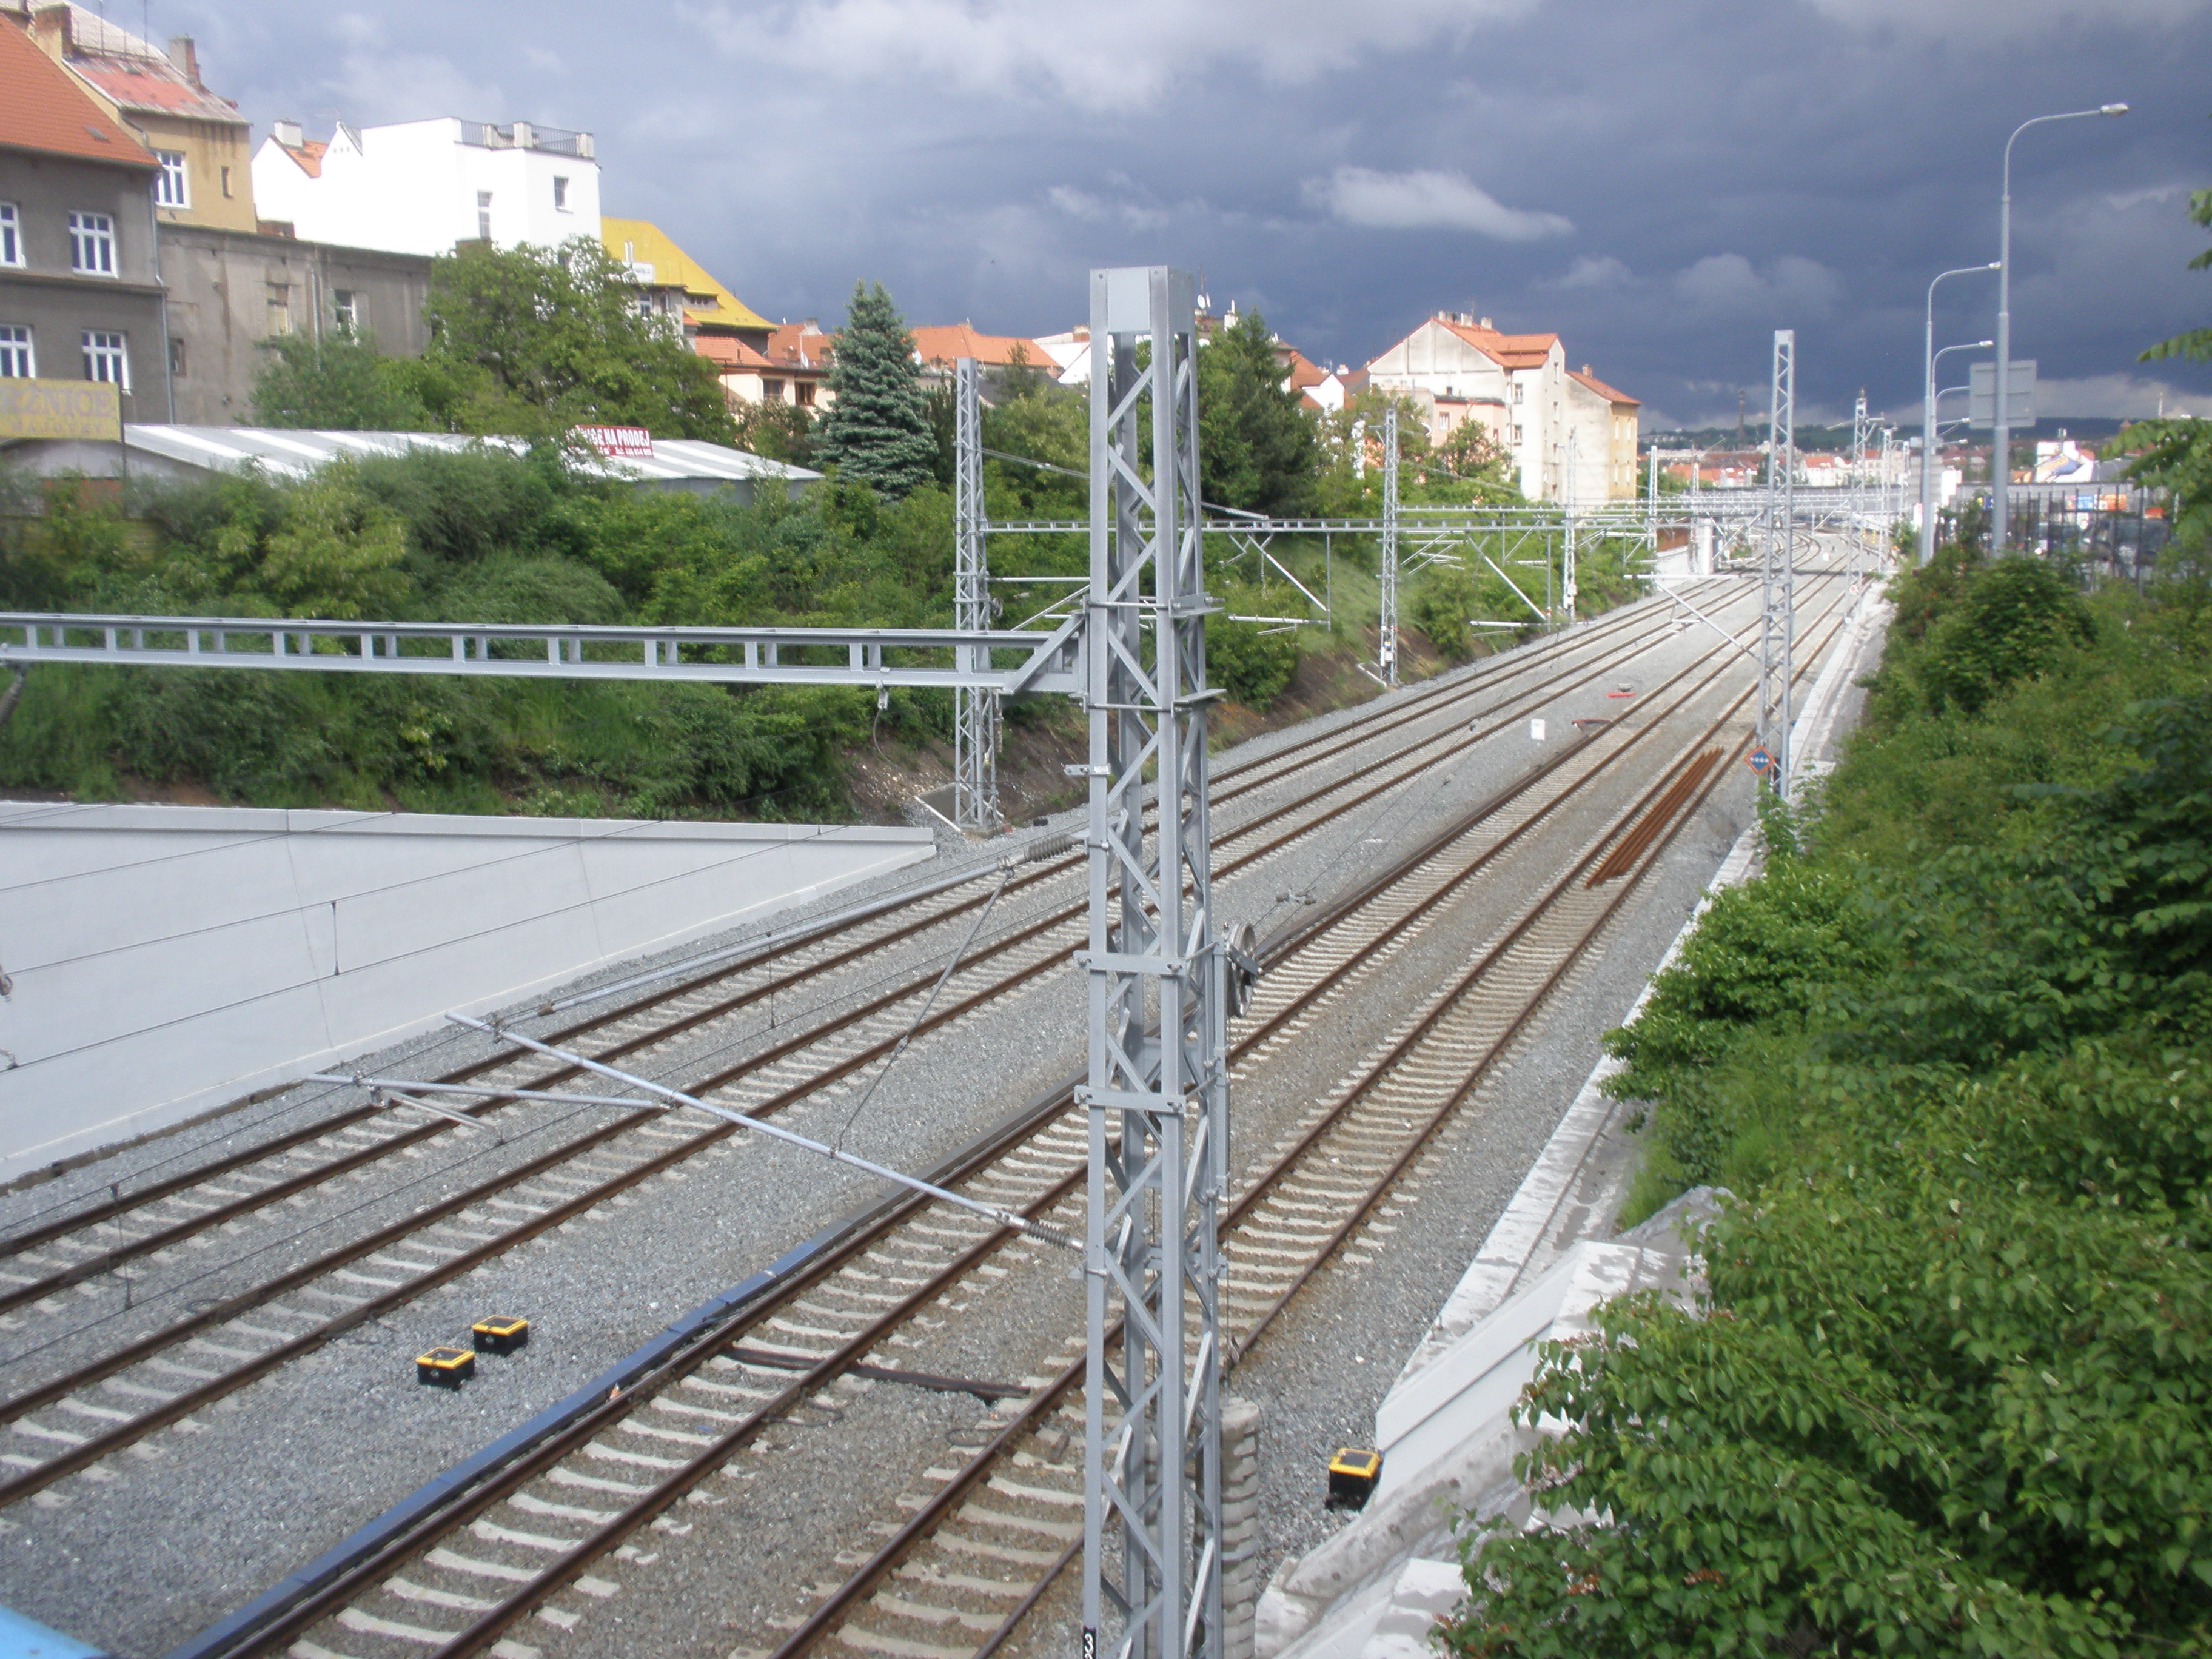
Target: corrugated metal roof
<point>294,455</point>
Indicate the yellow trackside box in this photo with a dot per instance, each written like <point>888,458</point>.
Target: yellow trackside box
<point>1352,1473</point>
<point>500,1333</point>
<point>448,1368</point>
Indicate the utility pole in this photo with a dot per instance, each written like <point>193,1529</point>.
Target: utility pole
<point>975,710</point>
<point>1777,621</point>
<point>1156,1093</point>
<point>1387,640</point>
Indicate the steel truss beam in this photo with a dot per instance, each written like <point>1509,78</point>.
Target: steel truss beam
<point>877,657</point>
<point>975,710</point>
<point>1158,1086</point>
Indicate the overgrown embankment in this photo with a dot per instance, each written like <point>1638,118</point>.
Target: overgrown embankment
<point>1953,1393</point>
<point>484,535</point>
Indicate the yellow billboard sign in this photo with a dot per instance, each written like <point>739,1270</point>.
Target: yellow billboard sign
<point>60,409</point>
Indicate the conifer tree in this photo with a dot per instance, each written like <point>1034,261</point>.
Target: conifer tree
<point>877,431</point>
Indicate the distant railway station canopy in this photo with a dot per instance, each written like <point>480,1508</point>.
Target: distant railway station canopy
<point>149,450</point>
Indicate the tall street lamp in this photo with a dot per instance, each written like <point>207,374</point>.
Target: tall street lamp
<point>2001,439</point>
<point>1929,441</point>
<point>1927,414</point>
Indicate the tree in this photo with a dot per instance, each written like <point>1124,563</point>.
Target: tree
<point>1258,449</point>
<point>338,383</point>
<point>535,340</point>
<point>878,431</point>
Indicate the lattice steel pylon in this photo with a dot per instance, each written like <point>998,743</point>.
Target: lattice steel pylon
<point>1778,616</point>
<point>1386,645</point>
<point>1158,1086</point>
<point>974,711</point>
<point>1567,588</point>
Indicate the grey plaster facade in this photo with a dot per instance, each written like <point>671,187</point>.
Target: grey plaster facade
<point>60,305</point>
<point>229,290</point>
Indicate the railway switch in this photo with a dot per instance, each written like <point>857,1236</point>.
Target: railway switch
<point>445,1368</point>
<point>1352,1473</point>
<point>499,1334</point>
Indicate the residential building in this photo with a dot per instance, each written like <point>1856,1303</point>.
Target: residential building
<point>81,294</point>
<point>794,368</point>
<point>1601,424</point>
<point>230,290</point>
<point>938,346</point>
<point>1459,367</point>
<point>421,186</point>
<point>199,138</point>
<point>673,286</point>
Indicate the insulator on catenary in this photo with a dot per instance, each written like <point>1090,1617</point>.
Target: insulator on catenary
<point>1048,847</point>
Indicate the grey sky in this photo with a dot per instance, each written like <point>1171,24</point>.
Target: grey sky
<point>1663,186</point>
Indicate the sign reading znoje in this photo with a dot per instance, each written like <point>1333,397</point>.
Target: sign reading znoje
<point>60,409</point>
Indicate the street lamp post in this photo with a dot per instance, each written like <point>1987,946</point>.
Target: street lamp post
<point>1927,414</point>
<point>2001,438</point>
<point>1928,438</point>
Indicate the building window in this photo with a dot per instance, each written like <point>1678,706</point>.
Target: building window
<point>106,359</point>
<point>1518,390</point>
<point>773,391</point>
<point>176,357</point>
<point>483,215</point>
<point>645,305</point>
<point>280,307</point>
<point>226,184</point>
<point>171,189</point>
<point>16,362</point>
<point>92,244</point>
<point>560,194</point>
<point>804,398</point>
<point>345,306</point>
<point>1516,434</point>
<point>11,235</point>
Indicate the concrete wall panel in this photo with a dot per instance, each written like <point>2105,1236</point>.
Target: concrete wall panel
<point>169,960</point>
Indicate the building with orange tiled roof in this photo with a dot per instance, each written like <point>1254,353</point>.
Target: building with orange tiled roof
<point>1563,431</point>
<point>81,296</point>
<point>197,136</point>
<point>939,345</point>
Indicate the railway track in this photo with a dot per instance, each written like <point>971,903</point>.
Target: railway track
<point>97,1238</point>
<point>523,1544</point>
<point>71,1421</point>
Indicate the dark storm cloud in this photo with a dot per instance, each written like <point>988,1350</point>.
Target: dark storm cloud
<point>1661,185</point>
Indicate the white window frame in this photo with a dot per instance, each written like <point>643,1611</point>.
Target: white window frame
<point>173,185</point>
<point>104,349</point>
<point>11,235</point>
<point>92,233</point>
<point>345,310</point>
<point>18,356</point>
<point>561,194</point>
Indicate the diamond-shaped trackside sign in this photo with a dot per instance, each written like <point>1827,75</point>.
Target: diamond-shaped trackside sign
<point>1759,761</point>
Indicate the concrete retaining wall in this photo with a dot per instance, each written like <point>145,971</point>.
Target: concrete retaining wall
<point>167,960</point>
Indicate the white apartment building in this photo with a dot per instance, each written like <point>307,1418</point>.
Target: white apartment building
<point>421,186</point>
<point>1563,429</point>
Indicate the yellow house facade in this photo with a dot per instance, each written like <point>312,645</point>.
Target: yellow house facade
<point>199,137</point>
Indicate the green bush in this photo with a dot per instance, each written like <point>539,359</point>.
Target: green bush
<point>1953,1391</point>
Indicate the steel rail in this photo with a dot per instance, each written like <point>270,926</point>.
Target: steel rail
<point>94,1448</point>
<point>940,1506</point>
<point>863,1582</point>
<point>355,1580</point>
<point>175,1232</point>
<point>1352,735</point>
